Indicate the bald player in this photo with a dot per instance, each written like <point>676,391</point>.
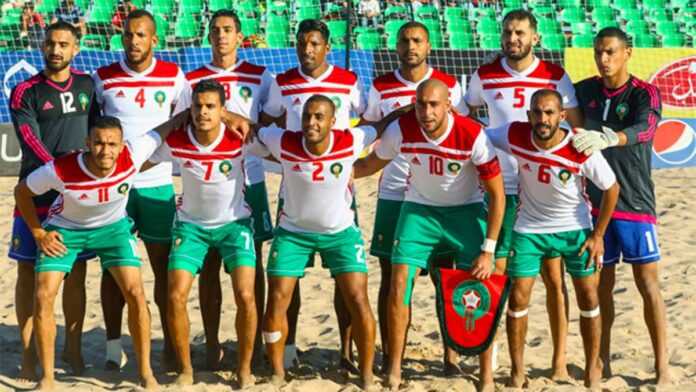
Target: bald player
<point>450,159</point>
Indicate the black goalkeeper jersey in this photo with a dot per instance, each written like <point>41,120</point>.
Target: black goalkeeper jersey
<point>635,109</point>
<point>51,119</point>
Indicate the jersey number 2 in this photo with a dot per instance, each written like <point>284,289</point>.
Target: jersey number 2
<point>316,174</point>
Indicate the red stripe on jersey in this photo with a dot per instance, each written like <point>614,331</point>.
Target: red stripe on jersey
<point>331,157</point>
<point>548,71</point>
<point>432,151</point>
<point>489,169</point>
<point>197,156</point>
<point>387,82</point>
<point>162,69</point>
<point>85,187</point>
<point>408,93</point>
<point>31,140</point>
<point>139,83</point>
<point>316,89</point>
<point>200,73</point>
<point>518,83</point>
<point>18,94</point>
<point>179,139</point>
<point>545,161</point>
<point>69,171</point>
<point>341,76</point>
<point>249,68</point>
<point>493,70</point>
<point>291,142</point>
<point>58,87</point>
<point>449,80</point>
<point>520,136</point>
<point>291,76</point>
<point>232,78</point>
<point>462,136</point>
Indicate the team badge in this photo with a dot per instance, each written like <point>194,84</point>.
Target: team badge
<point>337,102</point>
<point>564,175</point>
<point>471,300</point>
<point>336,169</point>
<point>454,167</point>
<point>123,188</point>
<point>84,100</point>
<point>245,93</point>
<point>622,111</point>
<point>160,97</point>
<point>16,243</point>
<point>225,167</point>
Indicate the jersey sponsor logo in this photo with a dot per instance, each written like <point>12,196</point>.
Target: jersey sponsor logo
<point>336,169</point>
<point>677,83</point>
<point>245,93</point>
<point>83,196</point>
<point>188,164</point>
<point>297,168</point>
<point>416,161</point>
<point>120,94</point>
<point>47,106</point>
<point>225,167</point>
<point>84,101</point>
<point>454,167</point>
<point>499,96</point>
<point>296,101</point>
<point>123,188</point>
<point>622,110</point>
<point>526,167</point>
<point>565,176</point>
<point>396,105</point>
<point>675,142</point>
<point>160,97</point>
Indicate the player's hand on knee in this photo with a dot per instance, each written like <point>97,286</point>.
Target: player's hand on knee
<point>594,244</point>
<point>482,267</point>
<point>51,243</point>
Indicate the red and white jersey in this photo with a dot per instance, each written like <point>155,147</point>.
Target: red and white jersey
<point>246,91</point>
<point>388,93</point>
<point>552,182</point>
<point>212,177</point>
<point>142,101</point>
<point>291,89</point>
<point>443,172</point>
<point>507,94</point>
<point>87,201</point>
<point>317,196</point>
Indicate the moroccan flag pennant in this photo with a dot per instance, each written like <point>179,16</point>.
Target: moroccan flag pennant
<point>469,309</point>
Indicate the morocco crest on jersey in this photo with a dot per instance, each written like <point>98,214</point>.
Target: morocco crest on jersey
<point>470,309</point>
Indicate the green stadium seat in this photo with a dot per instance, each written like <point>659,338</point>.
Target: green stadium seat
<point>392,26</point>
<point>307,3</point>
<point>307,13</point>
<point>483,12</point>
<point>247,10</point>
<point>11,19</point>
<point>396,11</point>
<point>505,11</point>
<point>277,40</point>
<point>277,7</point>
<point>637,27</point>
<point>452,13</point>
<point>426,12</point>
<point>666,28</point>
<point>624,4</point>
<point>436,41</point>
<point>681,4</point>
<point>93,42</point>
<point>582,41</point>
<point>673,41</point>
<point>631,14</point>
<point>369,41</point>
<point>654,4</point>
<point>573,15</point>
<point>191,6</point>
<point>513,4</point>
<point>488,27</point>
<point>553,41</point>
<point>538,3</point>
<point>564,4</point>
<point>162,25</point>
<point>598,3</point>
<point>83,4</point>
<point>458,26</point>
<point>337,29</point>
<point>548,26</point>
<point>659,15</point>
<point>115,43</point>
<point>278,25</point>
<point>100,15</point>
<point>489,42</point>
<point>544,12</point>
<point>46,7</point>
<point>250,26</point>
<point>602,14</point>
<point>461,41</point>
<point>187,27</point>
<point>164,7</point>
<point>607,23</point>
<point>582,28</point>
<point>139,3</point>
<point>644,41</point>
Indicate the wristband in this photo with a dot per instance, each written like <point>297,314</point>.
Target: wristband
<point>488,245</point>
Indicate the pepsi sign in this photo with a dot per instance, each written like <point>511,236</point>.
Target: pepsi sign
<point>674,144</point>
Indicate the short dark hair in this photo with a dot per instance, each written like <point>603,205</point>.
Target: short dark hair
<point>521,14</point>
<point>226,14</point>
<point>321,98</point>
<point>106,122</point>
<point>613,32</point>
<point>309,25</point>
<point>414,25</point>
<point>62,25</point>
<point>209,85</point>
<point>141,13</point>
<point>545,92</point>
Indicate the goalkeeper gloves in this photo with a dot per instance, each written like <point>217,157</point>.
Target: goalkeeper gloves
<point>589,141</point>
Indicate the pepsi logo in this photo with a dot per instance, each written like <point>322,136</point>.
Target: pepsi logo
<point>677,83</point>
<point>674,142</point>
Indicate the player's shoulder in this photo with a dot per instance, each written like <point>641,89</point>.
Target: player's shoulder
<point>520,135</point>
<point>248,68</point>
<point>548,71</point>
<point>493,70</point>
<point>465,127</point>
<point>343,139</point>
<point>81,78</point>
<point>639,86</point>
<point>111,71</point>
<point>410,128</point>
<point>569,152</point>
<point>230,142</point>
<point>387,81</point>
<point>444,77</point>
<point>179,138</point>
<point>201,72</point>
<point>290,76</point>
<point>340,75</point>
<point>20,90</point>
<point>291,141</point>
<point>591,83</point>
<point>67,168</point>
<point>164,69</point>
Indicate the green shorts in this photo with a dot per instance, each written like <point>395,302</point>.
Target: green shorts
<point>529,250</point>
<point>114,244</point>
<point>422,229</point>
<point>152,210</point>
<point>256,197</point>
<point>502,249</point>
<point>340,252</point>
<point>234,241</point>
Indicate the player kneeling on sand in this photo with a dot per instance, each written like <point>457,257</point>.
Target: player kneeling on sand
<point>554,222</point>
<point>90,214</point>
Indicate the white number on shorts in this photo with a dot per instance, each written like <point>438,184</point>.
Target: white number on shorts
<point>247,239</point>
<point>651,243</point>
<point>360,254</point>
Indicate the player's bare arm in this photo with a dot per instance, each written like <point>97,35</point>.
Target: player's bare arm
<point>50,242</point>
<point>371,164</point>
<point>482,267</point>
<point>595,242</point>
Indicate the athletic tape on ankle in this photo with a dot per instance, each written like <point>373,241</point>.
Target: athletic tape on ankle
<point>518,314</point>
<point>410,280</point>
<point>590,313</point>
<point>271,337</point>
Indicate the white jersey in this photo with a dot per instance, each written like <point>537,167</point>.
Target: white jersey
<point>291,89</point>
<point>246,90</point>
<point>552,182</point>
<point>142,101</point>
<point>443,172</point>
<point>507,94</point>
<point>87,201</point>
<point>388,93</point>
<point>317,196</point>
<point>212,177</point>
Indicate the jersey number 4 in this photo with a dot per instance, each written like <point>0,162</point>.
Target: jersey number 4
<point>140,98</point>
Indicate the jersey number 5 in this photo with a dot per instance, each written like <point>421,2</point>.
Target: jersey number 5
<point>519,98</point>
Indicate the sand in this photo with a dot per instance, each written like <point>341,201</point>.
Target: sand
<point>318,336</point>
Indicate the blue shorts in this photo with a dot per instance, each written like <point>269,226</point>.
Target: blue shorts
<point>23,248</point>
<point>633,242</point>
